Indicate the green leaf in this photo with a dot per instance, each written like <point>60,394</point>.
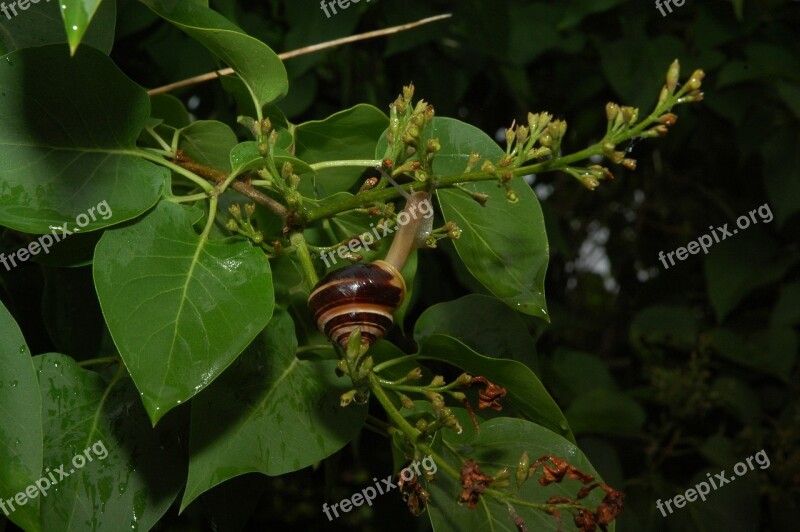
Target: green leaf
<point>170,109</point>
<point>77,15</point>
<point>580,9</point>
<point>605,411</point>
<point>254,62</point>
<point>20,421</point>
<point>659,327</point>
<point>349,134</point>
<point>504,245</point>
<point>574,373</point>
<point>526,393</point>
<point>787,311</point>
<point>482,323</point>
<point>730,279</point>
<point>179,307</point>
<point>244,156</point>
<point>772,351</point>
<point>209,143</point>
<point>782,173</point>
<point>252,418</point>
<point>66,151</point>
<point>122,473</point>
<point>42,24</point>
<point>500,444</point>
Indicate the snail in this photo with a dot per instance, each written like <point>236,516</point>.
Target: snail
<point>367,295</point>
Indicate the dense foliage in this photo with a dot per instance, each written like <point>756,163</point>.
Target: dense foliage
<point>173,326</point>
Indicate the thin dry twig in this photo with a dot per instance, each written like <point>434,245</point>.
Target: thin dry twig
<point>301,51</point>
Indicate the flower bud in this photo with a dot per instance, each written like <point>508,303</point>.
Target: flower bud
<point>433,145</point>
<point>346,398</point>
<point>408,92</point>
<point>673,74</point>
<point>512,196</point>
<point>474,157</point>
<point>250,208</point>
<point>510,135</point>
<point>465,379</point>
<point>668,119</point>
<point>406,401</point>
<point>696,79</point>
<point>266,126</point>
<point>630,164</point>
<point>235,211</point>
<point>523,469</point>
<point>589,181</point>
<point>612,110</point>
<point>414,375</point>
<point>232,225</point>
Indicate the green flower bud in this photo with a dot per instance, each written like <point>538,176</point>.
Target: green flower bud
<point>673,74</point>
<point>589,181</point>
<point>346,398</point>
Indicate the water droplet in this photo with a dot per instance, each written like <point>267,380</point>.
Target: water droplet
<point>22,349</point>
<point>14,384</point>
<point>75,28</point>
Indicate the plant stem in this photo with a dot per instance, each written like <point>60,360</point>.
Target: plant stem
<point>98,361</point>
<point>202,183</point>
<point>185,199</point>
<point>345,163</point>
<point>299,242</point>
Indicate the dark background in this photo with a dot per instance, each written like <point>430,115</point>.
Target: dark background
<point>664,375</point>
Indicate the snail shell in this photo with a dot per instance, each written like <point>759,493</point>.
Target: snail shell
<point>359,295</point>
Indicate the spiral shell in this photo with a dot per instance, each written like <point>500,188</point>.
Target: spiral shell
<point>359,295</point>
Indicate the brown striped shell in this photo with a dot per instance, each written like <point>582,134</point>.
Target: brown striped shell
<point>359,295</point>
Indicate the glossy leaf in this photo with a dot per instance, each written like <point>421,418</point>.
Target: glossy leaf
<point>180,308</point>
<point>244,156</point>
<point>499,444</point>
<point>255,63</point>
<point>209,143</point>
<point>253,417</point>
<point>504,245</point>
<point>77,15</point>
<point>349,134</point>
<point>43,24</point>
<point>20,422</point>
<point>483,323</point>
<point>526,393</point>
<point>66,151</point>
<point>121,473</point>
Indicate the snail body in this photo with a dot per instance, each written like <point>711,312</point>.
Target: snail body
<point>367,295</point>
